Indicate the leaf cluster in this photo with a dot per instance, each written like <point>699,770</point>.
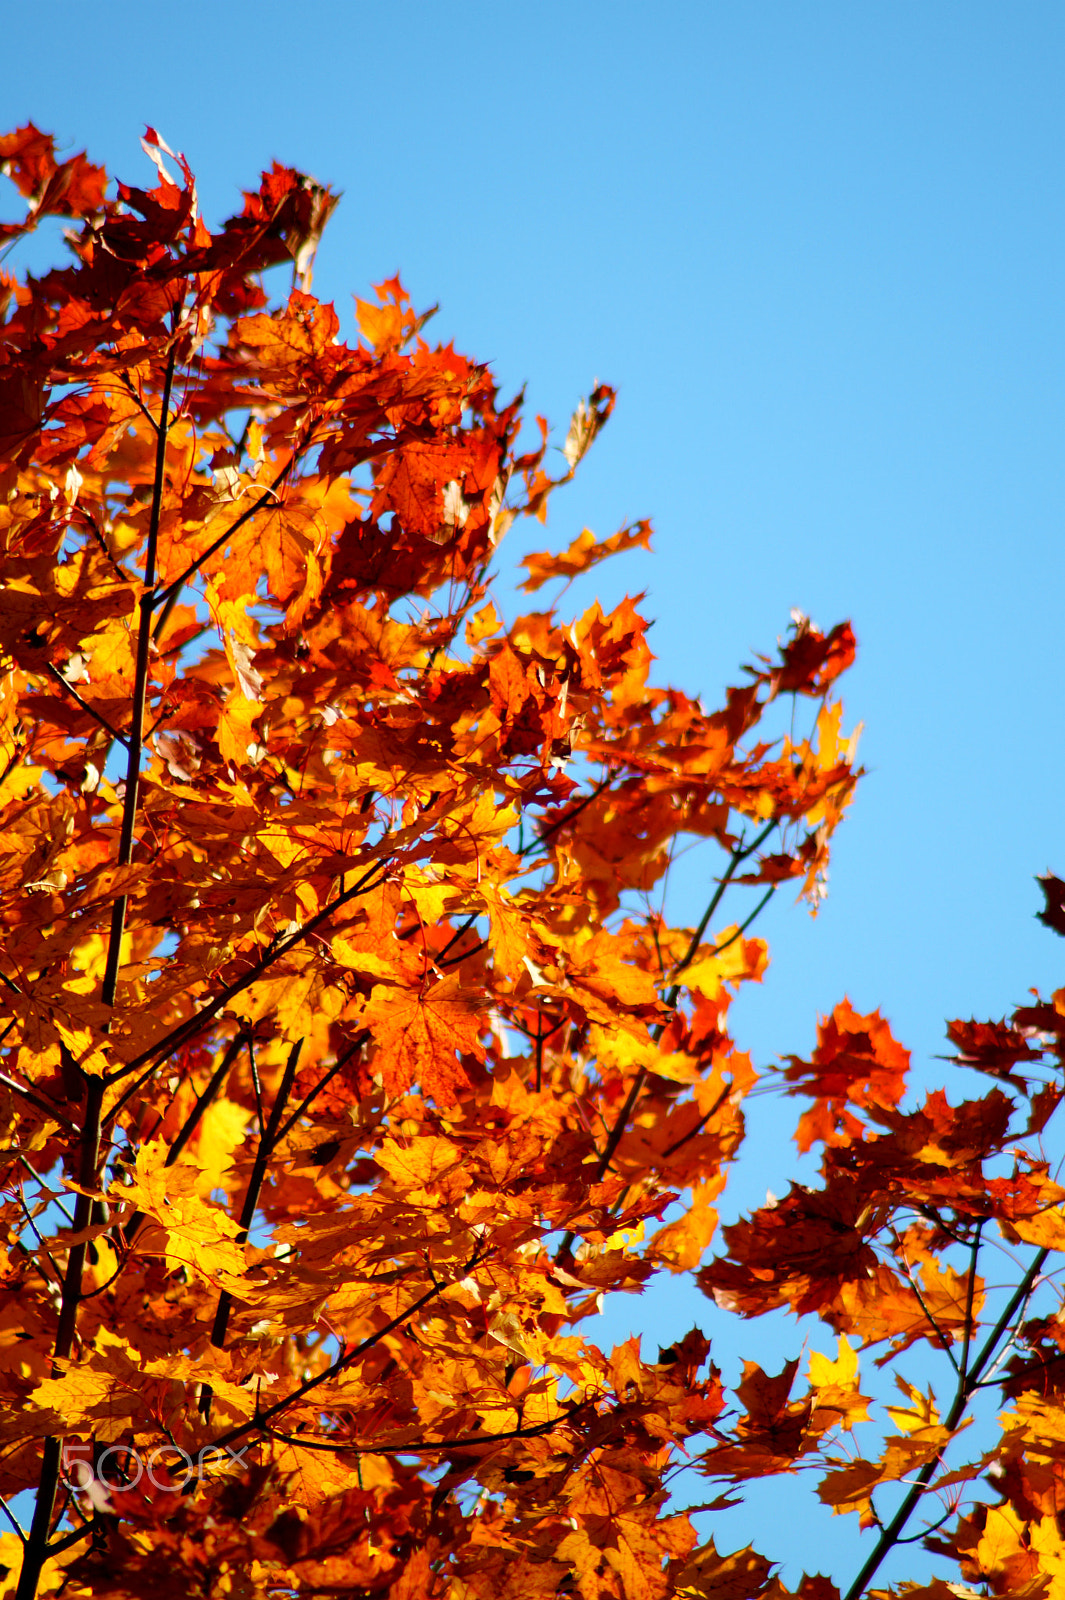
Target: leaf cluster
<point>350,1053</point>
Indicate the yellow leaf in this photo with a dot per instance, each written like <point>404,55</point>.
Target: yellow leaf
<point>709,1576</point>
<point>1047,1229</point>
<point>841,1373</point>
<point>508,932</point>
<point>418,1164</point>
<point>234,730</point>
<point>348,954</point>
<point>80,1388</point>
<point>628,1052</point>
<point>742,961</point>
<point>1000,1540</point>
<point>221,1133</point>
<point>922,1414</point>
<point>431,899</point>
<point>198,1236</point>
<point>1047,1544</point>
<point>315,1476</point>
<point>1039,1420</point>
<point>681,1244</point>
<point>835,1385</point>
<point>484,624</point>
<point>529,1343</point>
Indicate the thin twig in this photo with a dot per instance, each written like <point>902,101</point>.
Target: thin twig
<point>407,1447</point>
<point>36,1549</point>
<point>140,694</point>
<point>97,716</point>
<point>738,857</point>
<point>912,1281</point>
<point>455,937</point>
<point>41,1104</point>
<point>341,1363</point>
<point>267,1145</point>
<point>567,816</point>
<point>307,1101</point>
<point>127,383</point>
<point>970,1294</point>
<point>79,510</point>
<point>31,1223</point>
<point>13,1520</point>
<point>463,955</point>
<point>738,933</point>
<point>701,1124</point>
<point>193,1025</point>
<point>47,1196</point>
<point>73,1537</point>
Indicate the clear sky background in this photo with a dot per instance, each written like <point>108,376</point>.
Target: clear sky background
<point>818,247</point>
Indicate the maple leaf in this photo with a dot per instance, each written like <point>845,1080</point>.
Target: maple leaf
<point>73,188</point>
<point>584,553</point>
<point>735,1577</point>
<point>857,1062</point>
<point>811,660</point>
<point>586,422</point>
<point>388,325</point>
<point>835,1384</point>
<point>991,1047</point>
<point>417,1037</point>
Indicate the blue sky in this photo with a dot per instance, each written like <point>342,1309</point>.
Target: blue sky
<point>818,247</point>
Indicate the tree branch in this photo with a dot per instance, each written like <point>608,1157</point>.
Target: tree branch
<point>614,1138</point>
<point>40,1527</point>
<point>97,716</point>
<point>968,1382</point>
<point>36,1550</point>
<point>467,1441</point>
<point>338,1066</point>
<point>268,1140</point>
<point>140,693</point>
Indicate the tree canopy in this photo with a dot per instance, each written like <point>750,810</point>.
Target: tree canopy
<point>351,1052</point>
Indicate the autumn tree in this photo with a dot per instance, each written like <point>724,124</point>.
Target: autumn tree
<point>351,1052</point>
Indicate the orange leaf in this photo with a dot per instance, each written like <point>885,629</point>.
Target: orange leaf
<point>418,1036</point>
